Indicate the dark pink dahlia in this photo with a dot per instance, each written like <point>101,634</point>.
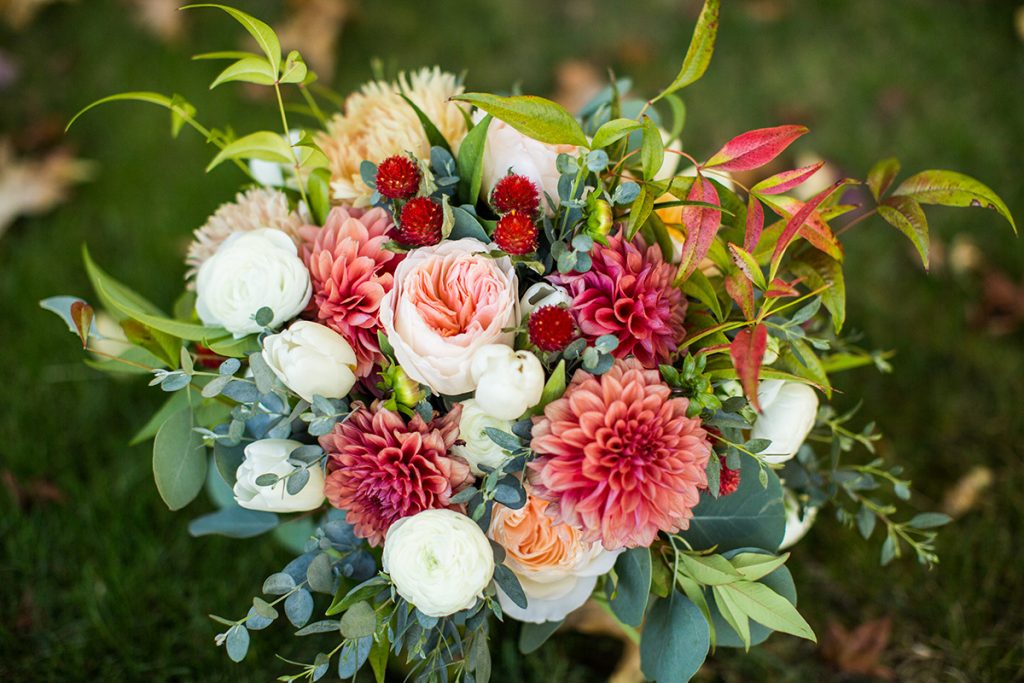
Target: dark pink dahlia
<point>629,293</point>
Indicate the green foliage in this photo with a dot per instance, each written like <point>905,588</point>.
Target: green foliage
<point>675,640</point>
<point>539,118</point>
<point>632,589</point>
<point>470,162</point>
<point>698,55</point>
<point>179,460</point>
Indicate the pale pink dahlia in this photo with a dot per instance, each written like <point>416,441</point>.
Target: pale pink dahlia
<point>618,457</point>
<point>381,469</point>
<point>629,293</point>
<point>351,272</point>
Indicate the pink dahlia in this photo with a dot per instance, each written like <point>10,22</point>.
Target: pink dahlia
<point>629,293</point>
<point>618,457</point>
<point>380,469</point>
<point>351,272</point>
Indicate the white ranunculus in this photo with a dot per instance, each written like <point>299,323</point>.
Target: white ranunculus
<point>447,302</point>
<point>249,271</point>
<point>311,359</point>
<point>507,382</point>
<point>439,560</point>
<point>270,456</point>
<point>509,150</point>
<point>543,294</point>
<point>796,526</point>
<point>479,449</point>
<point>788,413</point>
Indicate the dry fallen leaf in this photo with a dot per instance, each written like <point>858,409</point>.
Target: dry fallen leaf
<point>858,651</point>
<point>160,17</point>
<point>593,620</point>
<point>36,185</point>
<point>313,27</point>
<point>965,493</point>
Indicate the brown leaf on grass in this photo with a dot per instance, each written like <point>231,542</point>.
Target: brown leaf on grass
<point>31,492</point>
<point>160,17</point>
<point>859,651</point>
<point>577,83</point>
<point>36,185</point>
<point>313,27</point>
<point>593,620</point>
<point>965,493</point>
<point>19,13</point>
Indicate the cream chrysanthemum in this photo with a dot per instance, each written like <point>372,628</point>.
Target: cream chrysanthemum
<point>378,123</point>
<point>252,210</point>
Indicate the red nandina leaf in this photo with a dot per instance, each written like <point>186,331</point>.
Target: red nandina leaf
<point>82,315</point>
<point>755,148</point>
<point>787,180</point>
<point>747,352</point>
<point>798,220</point>
<point>779,288</point>
<point>907,216</point>
<point>748,265</point>
<point>755,223</point>
<point>881,175</point>
<point>701,224</point>
<point>815,229</point>
<point>741,290</point>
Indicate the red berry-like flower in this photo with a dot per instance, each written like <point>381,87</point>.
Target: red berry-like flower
<point>421,222</point>
<point>398,177</point>
<point>728,480</point>
<point>551,328</point>
<point>515,193</point>
<point>516,234</point>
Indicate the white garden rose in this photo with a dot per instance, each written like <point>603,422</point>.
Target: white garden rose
<point>788,413</point>
<point>556,568</point>
<point>439,560</point>
<point>509,150</point>
<point>447,302</point>
<point>508,382</point>
<point>311,359</point>
<point>543,294</point>
<point>478,448</point>
<point>797,525</point>
<point>270,456</point>
<point>250,271</point>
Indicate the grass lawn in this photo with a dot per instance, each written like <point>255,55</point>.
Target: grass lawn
<point>106,584</point>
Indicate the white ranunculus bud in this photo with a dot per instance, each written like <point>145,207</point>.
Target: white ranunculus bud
<point>507,150</point>
<point>249,271</point>
<point>479,449</point>
<point>311,359</point>
<point>439,560</point>
<point>788,413</point>
<point>543,294</point>
<point>796,526</point>
<point>270,456</point>
<point>507,382</point>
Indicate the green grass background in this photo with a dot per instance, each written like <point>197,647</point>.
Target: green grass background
<point>108,586</point>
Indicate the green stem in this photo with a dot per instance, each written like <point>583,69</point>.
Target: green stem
<point>287,137</point>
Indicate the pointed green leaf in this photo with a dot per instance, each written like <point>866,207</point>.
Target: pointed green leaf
<point>264,35</point>
<point>652,149</point>
<point>536,117</point>
<point>261,145</point>
<point>702,45</point>
<point>179,460</point>
<point>881,175</point>
<point>294,69</point>
<point>471,161</point>
<point>766,607</point>
<point>949,188</point>
<point>613,131</point>
<point>819,269</point>
<point>907,216</point>
<point>247,70</point>
<point>434,136</point>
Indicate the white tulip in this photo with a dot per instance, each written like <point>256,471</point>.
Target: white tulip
<point>507,150</point>
<point>543,294</point>
<point>507,382</point>
<point>439,560</point>
<point>270,456</point>
<point>788,413</point>
<point>479,449</point>
<point>311,359</point>
<point>797,526</point>
<point>249,271</point>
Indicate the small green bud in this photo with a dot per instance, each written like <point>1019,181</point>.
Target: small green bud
<point>599,219</point>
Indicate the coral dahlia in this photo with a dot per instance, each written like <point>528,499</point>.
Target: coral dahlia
<point>628,293</point>
<point>618,458</point>
<point>351,272</point>
<point>380,469</point>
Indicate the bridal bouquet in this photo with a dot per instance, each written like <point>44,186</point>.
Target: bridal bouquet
<point>475,356</point>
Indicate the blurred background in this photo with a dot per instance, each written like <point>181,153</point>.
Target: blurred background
<point>99,581</point>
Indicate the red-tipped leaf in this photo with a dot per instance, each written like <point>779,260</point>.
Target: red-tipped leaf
<point>755,148</point>
<point>701,224</point>
<point>801,216</point>
<point>755,223</point>
<point>747,351</point>
<point>815,228</point>
<point>787,180</point>
<point>741,290</point>
<point>779,288</point>
<point>81,316</point>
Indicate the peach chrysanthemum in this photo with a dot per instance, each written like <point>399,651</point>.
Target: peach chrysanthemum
<point>351,272</point>
<point>378,123</point>
<point>252,210</point>
<point>618,458</point>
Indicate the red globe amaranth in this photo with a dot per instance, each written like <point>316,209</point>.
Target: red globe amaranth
<point>618,458</point>
<point>628,293</point>
<point>420,222</point>
<point>516,234</point>
<point>398,177</point>
<point>728,480</point>
<point>551,328</point>
<point>380,468</point>
<point>351,272</point>
<point>515,193</point>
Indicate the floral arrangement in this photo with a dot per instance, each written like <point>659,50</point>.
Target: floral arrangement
<point>473,355</point>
